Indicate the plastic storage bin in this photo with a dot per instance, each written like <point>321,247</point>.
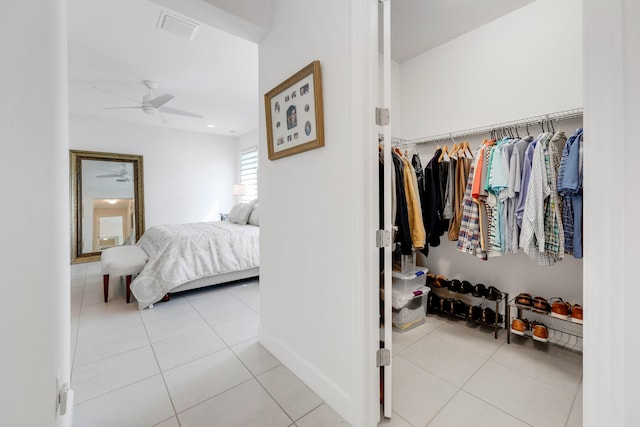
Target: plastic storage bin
<point>410,280</point>
<point>409,316</point>
<point>408,299</point>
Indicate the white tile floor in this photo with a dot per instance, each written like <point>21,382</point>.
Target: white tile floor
<point>194,361</point>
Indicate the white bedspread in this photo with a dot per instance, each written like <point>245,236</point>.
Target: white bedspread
<point>180,253</point>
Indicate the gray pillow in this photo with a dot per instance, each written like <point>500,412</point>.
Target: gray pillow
<point>239,214</point>
<point>254,218</point>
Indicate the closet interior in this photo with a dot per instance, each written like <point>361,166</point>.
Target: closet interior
<point>484,186</point>
<point>509,190</point>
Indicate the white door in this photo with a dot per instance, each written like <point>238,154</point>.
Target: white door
<point>385,75</point>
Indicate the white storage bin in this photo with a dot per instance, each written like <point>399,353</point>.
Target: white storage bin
<point>411,315</point>
<point>411,280</point>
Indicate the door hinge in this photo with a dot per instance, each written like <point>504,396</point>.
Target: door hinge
<point>383,357</point>
<point>382,116</point>
<point>383,238</point>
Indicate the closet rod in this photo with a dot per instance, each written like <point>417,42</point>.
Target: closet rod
<point>557,116</point>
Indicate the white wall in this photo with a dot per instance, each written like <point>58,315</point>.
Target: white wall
<point>482,78</point>
<point>248,140</point>
<point>316,284</point>
<point>188,176</point>
<point>521,65</point>
<point>34,183</point>
<point>612,108</point>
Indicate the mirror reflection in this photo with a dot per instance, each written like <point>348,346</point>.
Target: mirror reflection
<point>107,202</point>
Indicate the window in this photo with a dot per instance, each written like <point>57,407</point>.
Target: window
<point>249,174</point>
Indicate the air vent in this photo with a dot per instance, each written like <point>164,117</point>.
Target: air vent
<point>177,25</point>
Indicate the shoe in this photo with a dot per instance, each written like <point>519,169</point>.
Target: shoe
<point>519,326</point>
<point>433,303</point>
<point>540,332</point>
<point>493,293</point>
<point>456,285</point>
<point>475,313</point>
<point>576,313</point>
<point>460,308</point>
<point>430,279</point>
<point>560,309</point>
<point>479,290</point>
<point>524,299</point>
<point>488,316</point>
<point>466,287</point>
<point>541,305</point>
<point>441,282</point>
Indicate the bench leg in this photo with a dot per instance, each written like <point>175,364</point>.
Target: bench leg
<point>128,283</point>
<point>105,286</point>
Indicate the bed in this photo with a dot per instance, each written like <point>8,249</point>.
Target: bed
<point>190,256</point>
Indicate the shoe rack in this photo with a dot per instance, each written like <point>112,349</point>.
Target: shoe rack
<point>562,331</point>
<point>474,309</point>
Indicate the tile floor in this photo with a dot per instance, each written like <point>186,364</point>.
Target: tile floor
<point>195,361</point>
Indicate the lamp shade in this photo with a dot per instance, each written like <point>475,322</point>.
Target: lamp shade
<point>239,189</point>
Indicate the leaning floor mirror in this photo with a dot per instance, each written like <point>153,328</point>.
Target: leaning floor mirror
<point>107,202</point>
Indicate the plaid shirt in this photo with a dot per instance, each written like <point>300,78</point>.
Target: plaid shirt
<point>469,236</point>
<point>554,232</point>
<point>532,234</point>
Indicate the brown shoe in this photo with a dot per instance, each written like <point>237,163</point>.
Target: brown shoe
<point>540,332</point>
<point>560,308</point>
<point>524,299</point>
<point>540,305</point>
<point>576,313</point>
<point>519,326</point>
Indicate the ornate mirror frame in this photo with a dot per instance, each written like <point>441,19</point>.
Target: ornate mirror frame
<point>75,179</point>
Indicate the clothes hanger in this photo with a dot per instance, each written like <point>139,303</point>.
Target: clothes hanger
<point>515,127</point>
<point>445,152</point>
<point>467,150</point>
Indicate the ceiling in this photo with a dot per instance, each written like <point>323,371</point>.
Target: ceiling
<point>114,45</point>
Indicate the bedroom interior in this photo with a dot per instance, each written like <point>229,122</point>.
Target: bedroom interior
<point>334,268</point>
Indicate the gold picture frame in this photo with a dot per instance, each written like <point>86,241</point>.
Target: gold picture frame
<point>294,114</point>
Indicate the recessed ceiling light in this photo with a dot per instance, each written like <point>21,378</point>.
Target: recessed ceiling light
<point>232,131</point>
<point>211,126</point>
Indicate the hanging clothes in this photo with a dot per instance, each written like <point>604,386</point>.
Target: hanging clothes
<point>469,234</point>
<point>516,163</point>
<point>432,211</point>
<point>416,224</point>
<point>532,236</point>
<point>570,189</point>
<point>554,231</point>
<point>417,167</point>
<point>403,236</point>
<point>463,165</point>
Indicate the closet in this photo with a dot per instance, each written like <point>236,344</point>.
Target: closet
<point>488,81</point>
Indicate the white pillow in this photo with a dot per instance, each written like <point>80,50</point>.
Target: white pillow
<point>254,218</point>
<point>239,214</point>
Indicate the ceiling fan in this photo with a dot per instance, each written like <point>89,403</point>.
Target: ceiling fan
<point>121,176</point>
<point>153,105</point>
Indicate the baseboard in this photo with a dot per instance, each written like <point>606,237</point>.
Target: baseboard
<point>331,393</point>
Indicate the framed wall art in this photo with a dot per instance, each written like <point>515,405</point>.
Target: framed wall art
<point>294,114</point>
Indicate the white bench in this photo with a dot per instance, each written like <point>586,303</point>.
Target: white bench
<point>125,261</point>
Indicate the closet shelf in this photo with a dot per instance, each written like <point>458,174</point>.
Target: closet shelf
<point>447,295</point>
<point>563,332</point>
<point>556,116</point>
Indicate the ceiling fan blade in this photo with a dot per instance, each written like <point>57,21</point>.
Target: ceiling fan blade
<point>180,112</point>
<point>160,100</point>
<point>111,175</point>
<point>120,108</point>
<point>137,101</point>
